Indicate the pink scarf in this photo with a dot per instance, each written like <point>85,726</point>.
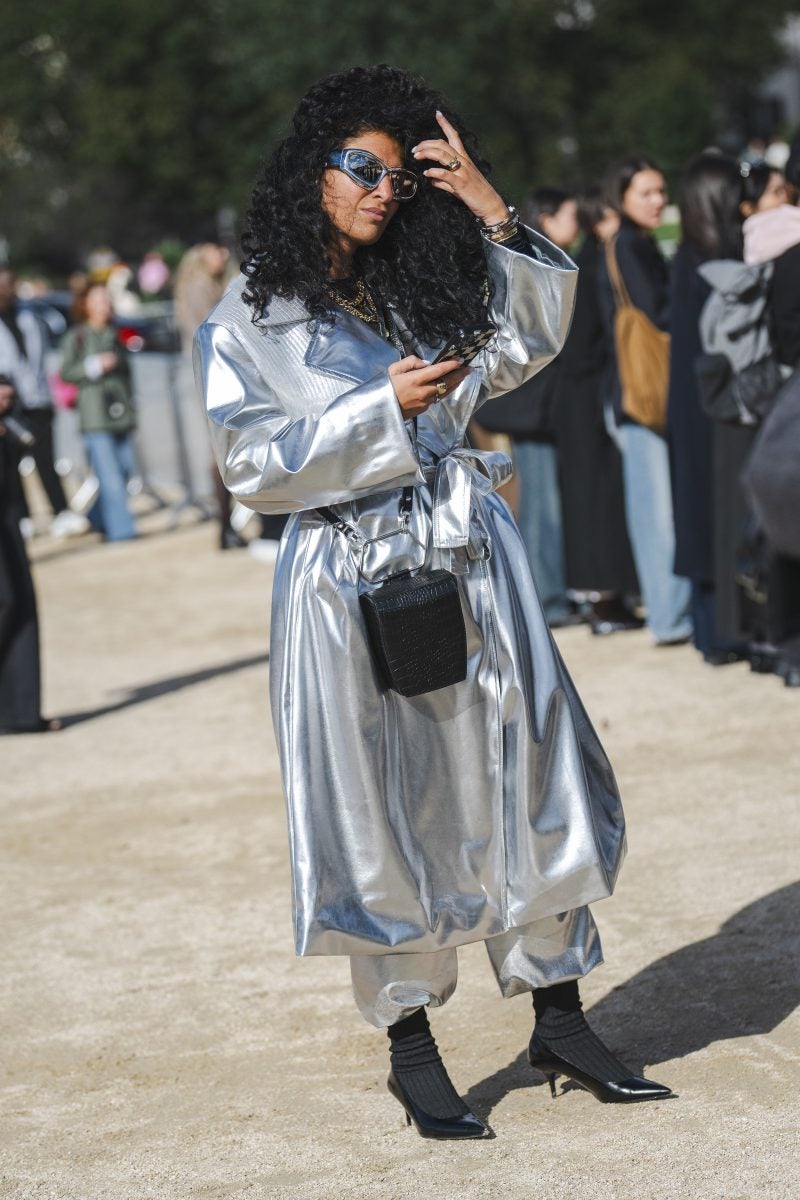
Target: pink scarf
<point>768,234</point>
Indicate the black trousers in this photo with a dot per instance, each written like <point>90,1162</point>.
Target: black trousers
<point>40,423</point>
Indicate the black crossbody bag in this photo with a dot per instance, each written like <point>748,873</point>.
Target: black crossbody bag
<point>415,623</point>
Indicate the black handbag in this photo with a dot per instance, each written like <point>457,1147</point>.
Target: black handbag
<point>416,631</point>
<point>415,624</point>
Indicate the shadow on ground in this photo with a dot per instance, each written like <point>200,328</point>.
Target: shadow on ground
<point>162,687</point>
<point>742,981</point>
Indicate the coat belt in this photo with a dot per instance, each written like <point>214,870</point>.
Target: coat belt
<point>457,522</point>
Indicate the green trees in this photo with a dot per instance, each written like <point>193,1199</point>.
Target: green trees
<point>126,121</point>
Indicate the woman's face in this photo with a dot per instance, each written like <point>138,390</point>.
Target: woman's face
<point>360,217</point>
<point>98,306</point>
<point>774,194</point>
<point>561,227</point>
<point>645,199</point>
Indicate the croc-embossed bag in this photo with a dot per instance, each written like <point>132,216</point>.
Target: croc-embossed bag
<point>415,623</point>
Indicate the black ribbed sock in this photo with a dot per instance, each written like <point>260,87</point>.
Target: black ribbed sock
<point>562,1028</point>
<point>562,996</point>
<point>419,1069</point>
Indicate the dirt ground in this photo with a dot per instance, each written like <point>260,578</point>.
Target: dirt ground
<point>161,1039</point>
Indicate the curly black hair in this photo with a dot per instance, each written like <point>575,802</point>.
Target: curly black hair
<point>429,262</point>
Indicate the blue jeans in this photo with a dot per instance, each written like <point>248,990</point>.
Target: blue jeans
<point>540,523</point>
<point>648,513</point>
<point>111,458</point>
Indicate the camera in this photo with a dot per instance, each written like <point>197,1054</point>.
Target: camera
<point>16,431</point>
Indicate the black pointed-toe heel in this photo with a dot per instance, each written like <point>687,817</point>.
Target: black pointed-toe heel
<point>625,1091</point>
<point>465,1126</point>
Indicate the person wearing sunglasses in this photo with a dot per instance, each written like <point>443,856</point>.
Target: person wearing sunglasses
<point>484,810</point>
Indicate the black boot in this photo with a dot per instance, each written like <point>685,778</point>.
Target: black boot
<point>563,1044</point>
<point>420,1083</point>
<point>229,539</point>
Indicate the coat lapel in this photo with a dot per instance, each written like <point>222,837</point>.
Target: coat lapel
<point>348,349</point>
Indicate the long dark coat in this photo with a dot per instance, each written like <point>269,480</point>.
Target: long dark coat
<point>597,551</point>
<point>690,431</point>
<point>19,629</point>
<point>785,303</point>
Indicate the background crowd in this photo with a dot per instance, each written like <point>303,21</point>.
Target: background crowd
<point>628,519</point>
<point>615,507</point>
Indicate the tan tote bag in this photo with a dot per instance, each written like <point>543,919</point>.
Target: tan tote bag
<point>642,354</point>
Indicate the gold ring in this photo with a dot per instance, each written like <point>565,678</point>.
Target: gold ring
<point>441,389</point>
<point>453,165</point>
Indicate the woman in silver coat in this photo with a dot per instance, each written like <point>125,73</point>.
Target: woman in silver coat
<point>485,810</point>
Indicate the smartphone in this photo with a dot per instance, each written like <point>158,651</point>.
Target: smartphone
<point>466,343</point>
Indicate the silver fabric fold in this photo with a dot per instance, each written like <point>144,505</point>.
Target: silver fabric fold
<point>389,987</point>
<point>460,477</point>
<point>415,825</point>
<point>564,946</point>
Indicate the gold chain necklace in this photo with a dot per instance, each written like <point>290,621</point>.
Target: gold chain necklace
<point>362,304</point>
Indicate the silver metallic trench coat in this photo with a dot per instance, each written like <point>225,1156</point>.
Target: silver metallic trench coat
<point>415,824</point>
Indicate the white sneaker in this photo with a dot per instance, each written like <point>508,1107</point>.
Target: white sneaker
<point>68,524</point>
<point>27,528</point>
<point>264,549</point>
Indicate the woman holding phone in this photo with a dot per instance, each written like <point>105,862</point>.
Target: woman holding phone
<point>484,810</point>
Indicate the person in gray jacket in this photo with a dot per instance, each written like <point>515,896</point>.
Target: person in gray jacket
<point>485,810</point>
<point>23,345</point>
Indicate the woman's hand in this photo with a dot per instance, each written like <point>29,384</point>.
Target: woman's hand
<point>108,361</point>
<point>419,384</point>
<point>464,180</point>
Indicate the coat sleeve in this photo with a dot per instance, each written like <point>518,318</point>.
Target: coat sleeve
<point>275,462</point>
<point>532,300</point>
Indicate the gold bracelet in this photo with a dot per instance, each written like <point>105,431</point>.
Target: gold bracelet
<point>511,232</point>
<point>503,230</point>
<point>512,214</point>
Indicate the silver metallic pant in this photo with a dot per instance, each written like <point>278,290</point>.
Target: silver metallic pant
<point>389,987</point>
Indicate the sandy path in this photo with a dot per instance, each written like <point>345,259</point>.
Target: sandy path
<point>161,1038</point>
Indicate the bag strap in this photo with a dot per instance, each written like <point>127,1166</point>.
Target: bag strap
<point>621,293</point>
<point>406,505</point>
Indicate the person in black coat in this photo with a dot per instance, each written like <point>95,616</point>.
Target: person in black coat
<point>597,551</point>
<point>749,591</point>
<point>785,304</point>
<point>712,228</point>
<point>19,628</point>
<point>784,603</point>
